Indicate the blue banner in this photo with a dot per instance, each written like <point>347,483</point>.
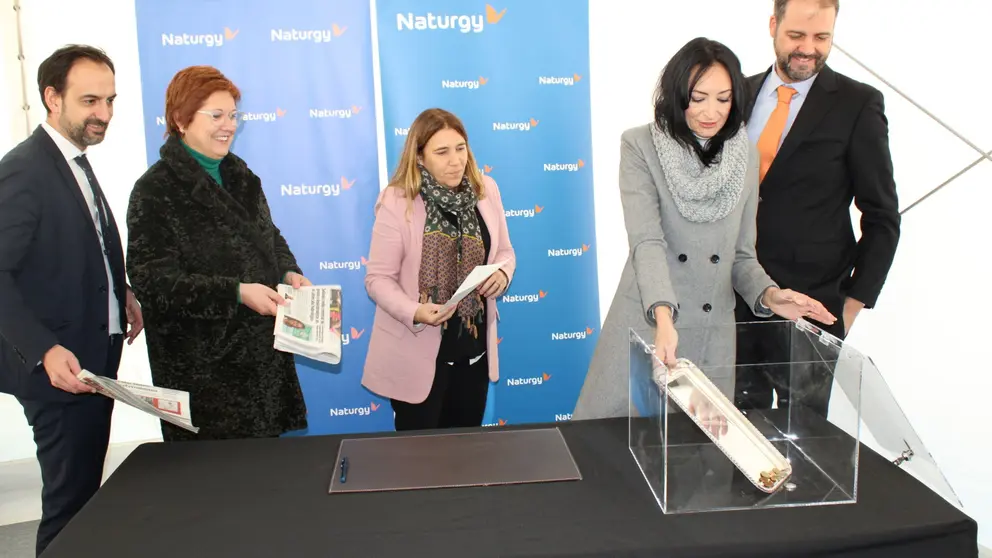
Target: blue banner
<point>517,74</point>
<point>309,132</point>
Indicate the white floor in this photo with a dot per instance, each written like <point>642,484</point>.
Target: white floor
<point>20,484</point>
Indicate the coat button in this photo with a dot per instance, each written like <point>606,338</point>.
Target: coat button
<point>683,258</point>
<point>715,259</point>
<point>103,288</point>
<point>707,307</point>
<point>103,327</point>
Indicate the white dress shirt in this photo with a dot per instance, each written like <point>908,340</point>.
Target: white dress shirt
<point>70,152</point>
<point>768,98</point>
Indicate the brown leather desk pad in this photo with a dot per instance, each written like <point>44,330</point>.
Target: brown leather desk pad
<point>447,460</point>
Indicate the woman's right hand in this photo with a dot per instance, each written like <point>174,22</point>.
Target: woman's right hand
<point>431,314</point>
<point>666,338</point>
<point>260,298</point>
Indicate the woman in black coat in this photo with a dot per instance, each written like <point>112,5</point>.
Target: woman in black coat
<point>204,258</point>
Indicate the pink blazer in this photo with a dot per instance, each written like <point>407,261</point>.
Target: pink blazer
<point>401,356</point>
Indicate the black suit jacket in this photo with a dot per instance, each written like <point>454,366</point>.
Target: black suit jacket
<point>836,151</point>
<point>53,282</point>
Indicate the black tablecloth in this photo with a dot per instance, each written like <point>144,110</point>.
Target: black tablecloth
<point>269,498</point>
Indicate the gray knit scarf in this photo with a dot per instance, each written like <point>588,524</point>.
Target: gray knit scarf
<point>703,194</point>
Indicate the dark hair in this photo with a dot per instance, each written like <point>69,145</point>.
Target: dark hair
<point>780,6</point>
<point>54,70</point>
<point>675,86</point>
<point>188,90</point>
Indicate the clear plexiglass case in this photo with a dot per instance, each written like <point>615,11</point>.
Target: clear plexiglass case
<point>762,414</point>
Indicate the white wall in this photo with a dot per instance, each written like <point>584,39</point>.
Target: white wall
<point>912,336</point>
<point>14,432</point>
<point>10,130</point>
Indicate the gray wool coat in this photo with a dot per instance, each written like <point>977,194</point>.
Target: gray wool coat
<point>694,267</point>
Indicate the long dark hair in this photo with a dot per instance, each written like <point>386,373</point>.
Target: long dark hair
<point>674,90</point>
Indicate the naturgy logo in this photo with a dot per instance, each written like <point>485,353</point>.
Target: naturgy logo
<point>524,126</point>
<point>564,167</point>
<point>464,84</point>
<point>306,35</point>
<point>530,298</point>
<point>535,381</point>
<point>433,22</point>
<point>353,265</point>
<point>304,189</point>
<point>336,113</point>
<point>202,39</point>
<point>573,252</point>
<point>571,335</point>
<point>262,116</point>
<point>526,213</point>
<point>559,80</point>
<point>353,411</point>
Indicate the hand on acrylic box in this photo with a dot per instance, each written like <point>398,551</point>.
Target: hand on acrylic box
<point>666,338</point>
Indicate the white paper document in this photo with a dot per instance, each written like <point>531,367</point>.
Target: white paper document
<point>310,324</point>
<point>475,278</point>
<point>169,405</point>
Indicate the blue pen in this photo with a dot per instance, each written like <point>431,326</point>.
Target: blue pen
<point>344,469</point>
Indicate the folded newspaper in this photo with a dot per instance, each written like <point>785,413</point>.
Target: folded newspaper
<point>167,404</point>
<point>310,325</point>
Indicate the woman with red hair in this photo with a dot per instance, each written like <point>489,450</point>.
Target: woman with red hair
<point>204,257</point>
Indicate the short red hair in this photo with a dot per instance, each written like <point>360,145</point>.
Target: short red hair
<point>188,90</point>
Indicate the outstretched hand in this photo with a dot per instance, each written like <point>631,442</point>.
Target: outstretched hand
<point>792,305</point>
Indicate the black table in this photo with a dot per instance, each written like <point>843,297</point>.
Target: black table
<point>269,498</point>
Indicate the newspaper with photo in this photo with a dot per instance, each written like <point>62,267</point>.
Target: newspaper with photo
<point>169,405</point>
<point>310,324</point>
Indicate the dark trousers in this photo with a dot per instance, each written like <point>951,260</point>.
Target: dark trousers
<point>457,398</point>
<point>760,380</point>
<point>72,440</point>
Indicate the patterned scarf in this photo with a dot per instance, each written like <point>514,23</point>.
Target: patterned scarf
<point>451,251</point>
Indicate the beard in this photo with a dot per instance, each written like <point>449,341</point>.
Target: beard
<point>81,135</point>
<point>784,64</point>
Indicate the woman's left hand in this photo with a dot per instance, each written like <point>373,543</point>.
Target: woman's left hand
<point>494,285</point>
<point>296,280</point>
<point>792,305</point>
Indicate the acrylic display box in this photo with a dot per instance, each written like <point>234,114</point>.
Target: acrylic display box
<point>747,426</point>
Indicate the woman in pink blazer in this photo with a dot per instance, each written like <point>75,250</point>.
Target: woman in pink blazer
<point>437,220</point>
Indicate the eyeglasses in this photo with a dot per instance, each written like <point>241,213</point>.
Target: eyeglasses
<point>218,115</point>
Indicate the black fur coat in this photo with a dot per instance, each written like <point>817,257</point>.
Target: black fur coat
<point>191,242</point>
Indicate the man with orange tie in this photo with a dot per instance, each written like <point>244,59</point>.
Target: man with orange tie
<point>823,143</point>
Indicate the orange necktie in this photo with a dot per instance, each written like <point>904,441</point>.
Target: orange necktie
<point>772,134</point>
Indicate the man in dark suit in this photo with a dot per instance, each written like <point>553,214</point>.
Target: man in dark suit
<point>66,303</point>
<point>823,143</point>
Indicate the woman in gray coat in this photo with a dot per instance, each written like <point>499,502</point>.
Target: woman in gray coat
<point>689,189</point>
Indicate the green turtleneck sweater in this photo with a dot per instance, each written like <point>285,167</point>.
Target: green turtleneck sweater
<point>212,166</point>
